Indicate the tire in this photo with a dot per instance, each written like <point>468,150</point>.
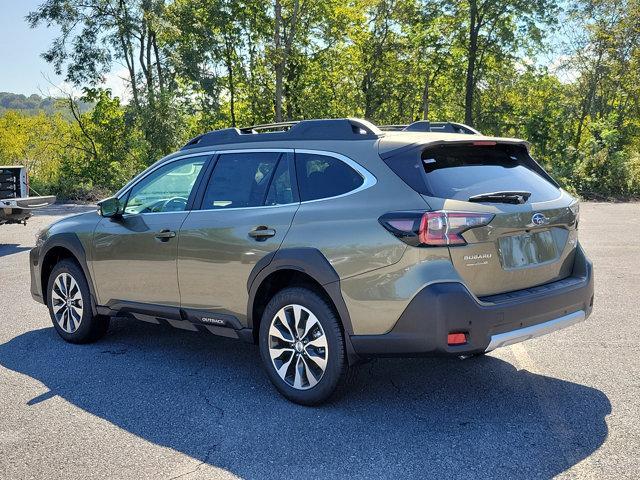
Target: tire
<point>73,319</point>
<point>319,342</point>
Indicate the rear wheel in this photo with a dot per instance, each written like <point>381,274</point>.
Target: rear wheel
<point>302,346</point>
<point>69,303</point>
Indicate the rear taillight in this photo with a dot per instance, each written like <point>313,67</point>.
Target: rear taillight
<point>439,228</point>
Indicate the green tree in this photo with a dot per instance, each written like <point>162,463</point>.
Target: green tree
<point>95,34</point>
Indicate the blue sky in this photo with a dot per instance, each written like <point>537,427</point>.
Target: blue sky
<point>21,67</point>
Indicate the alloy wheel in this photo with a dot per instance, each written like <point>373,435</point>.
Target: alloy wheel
<point>298,346</point>
<point>67,302</point>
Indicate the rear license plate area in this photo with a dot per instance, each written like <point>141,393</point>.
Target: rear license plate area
<point>528,249</point>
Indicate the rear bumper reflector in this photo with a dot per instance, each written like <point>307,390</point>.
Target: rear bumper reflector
<point>456,339</point>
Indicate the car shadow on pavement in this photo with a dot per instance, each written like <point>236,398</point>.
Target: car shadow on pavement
<point>11,248</point>
<point>414,418</point>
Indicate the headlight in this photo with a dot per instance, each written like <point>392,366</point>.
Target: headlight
<point>575,208</point>
<point>41,236</point>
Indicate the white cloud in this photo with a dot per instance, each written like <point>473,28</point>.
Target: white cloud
<point>562,68</point>
<point>118,82</point>
<point>63,89</point>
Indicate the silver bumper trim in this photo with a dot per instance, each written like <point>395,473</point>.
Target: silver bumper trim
<point>522,334</point>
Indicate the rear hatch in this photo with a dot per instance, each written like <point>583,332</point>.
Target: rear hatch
<point>528,236</point>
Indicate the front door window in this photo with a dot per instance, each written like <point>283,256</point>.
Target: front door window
<point>167,189</point>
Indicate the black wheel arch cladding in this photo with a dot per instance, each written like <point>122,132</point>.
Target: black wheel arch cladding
<point>71,243</point>
<point>311,262</point>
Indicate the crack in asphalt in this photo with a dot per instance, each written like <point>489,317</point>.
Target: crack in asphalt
<point>199,464</point>
<point>120,351</point>
<point>211,405</point>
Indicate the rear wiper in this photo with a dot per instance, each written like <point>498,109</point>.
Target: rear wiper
<point>517,198</point>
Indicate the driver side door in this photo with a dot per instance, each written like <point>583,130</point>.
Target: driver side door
<point>134,256</point>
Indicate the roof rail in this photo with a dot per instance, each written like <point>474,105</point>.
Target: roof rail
<point>269,126</point>
<point>427,126</point>
<point>328,129</point>
<point>392,128</point>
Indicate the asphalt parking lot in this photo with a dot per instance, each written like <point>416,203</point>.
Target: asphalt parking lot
<point>153,402</point>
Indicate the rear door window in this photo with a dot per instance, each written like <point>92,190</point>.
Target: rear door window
<point>322,176</point>
<point>243,180</point>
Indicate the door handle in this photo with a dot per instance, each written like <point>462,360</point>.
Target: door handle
<point>262,233</point>
<point>165,235</point>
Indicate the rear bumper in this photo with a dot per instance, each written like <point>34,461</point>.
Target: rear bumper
<point>488,322</point>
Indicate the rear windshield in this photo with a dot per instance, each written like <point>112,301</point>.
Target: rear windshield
<point>462,171</point>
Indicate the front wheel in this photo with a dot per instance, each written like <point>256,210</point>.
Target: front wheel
<point>302,346</point>
<point>69,302</point>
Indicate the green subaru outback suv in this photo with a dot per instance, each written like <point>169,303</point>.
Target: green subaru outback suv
<point>325,242</point>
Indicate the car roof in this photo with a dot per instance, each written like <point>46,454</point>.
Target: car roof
<point>292,134</point>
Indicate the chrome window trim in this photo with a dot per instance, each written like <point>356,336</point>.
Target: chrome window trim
<point>369,180</point>
<point>240,208</point>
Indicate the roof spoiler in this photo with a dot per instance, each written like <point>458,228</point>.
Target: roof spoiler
<point>427,126</point>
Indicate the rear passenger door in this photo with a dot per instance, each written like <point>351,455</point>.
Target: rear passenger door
<point>245,210</point>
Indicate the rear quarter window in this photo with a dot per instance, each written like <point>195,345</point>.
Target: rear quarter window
<point>322,176</point>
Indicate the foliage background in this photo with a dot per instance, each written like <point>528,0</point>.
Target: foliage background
<point>565,76</point>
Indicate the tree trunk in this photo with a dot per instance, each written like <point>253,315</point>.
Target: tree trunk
<point>279,63</point>
<point>232,85</point>
<point>470,83</point>
<point>586,104</point>
<point>161,84</point>
<point>252,84</point>
<point>425,98</point>
<point>124,35</point>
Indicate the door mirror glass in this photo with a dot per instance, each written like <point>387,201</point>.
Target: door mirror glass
<point>110,207</point>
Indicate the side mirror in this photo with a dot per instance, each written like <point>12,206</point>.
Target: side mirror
<point>110,208</point>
